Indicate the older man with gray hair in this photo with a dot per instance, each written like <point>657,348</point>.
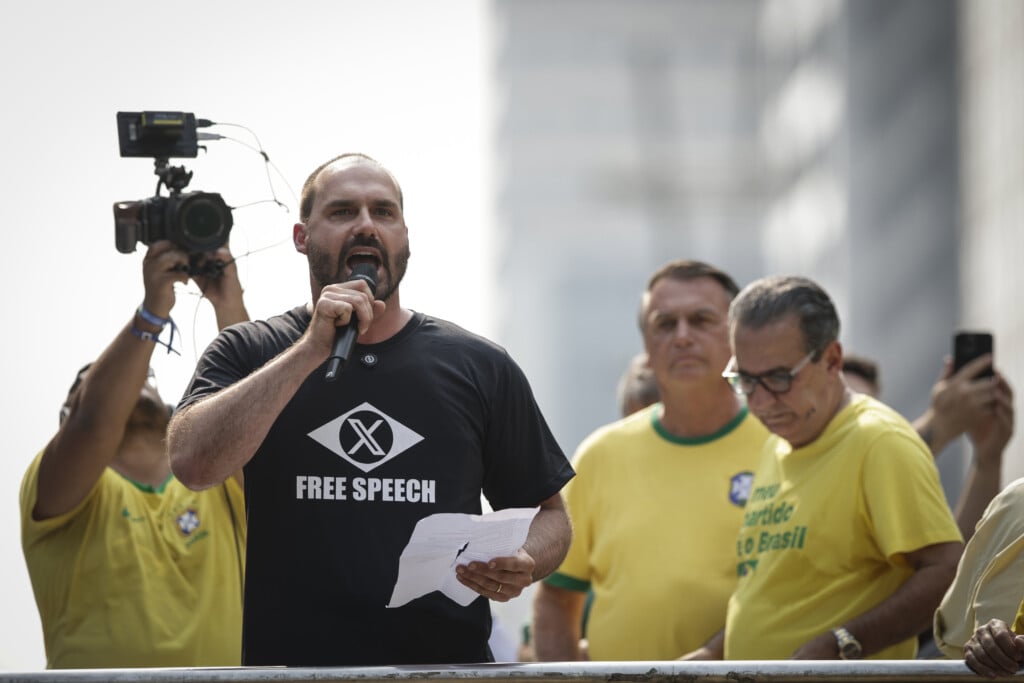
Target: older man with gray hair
<point>847,543</point>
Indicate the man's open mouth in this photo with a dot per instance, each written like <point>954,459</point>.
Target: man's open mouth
<point>360,256</point>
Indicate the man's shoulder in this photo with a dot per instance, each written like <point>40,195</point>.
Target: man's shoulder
<point>618,439</point>
<point>264,336</point>
<point>449,344</point>
<point>102,501</point>
<point>870,438</point>
<point>1008,505</point>
<point>28,494</point>
<point>869,420</point>
<point>431,327</point>
<point>871,411</point>
<point>294,320</point>
<point>1012,494</point>
<point>638,425</point>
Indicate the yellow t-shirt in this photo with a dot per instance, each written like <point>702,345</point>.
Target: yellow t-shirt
<point>138,578</point>
<point>826,528</point>
<point>654,526</point>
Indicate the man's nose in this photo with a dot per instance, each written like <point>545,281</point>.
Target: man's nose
<point>760,396</point>
<point>682,332</point>
<point>364,222</point>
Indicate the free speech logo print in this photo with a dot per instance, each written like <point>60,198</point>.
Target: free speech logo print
<point>365,436</point>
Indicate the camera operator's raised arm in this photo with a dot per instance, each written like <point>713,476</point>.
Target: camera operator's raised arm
<point>111,401</point>
<point>94,500</point>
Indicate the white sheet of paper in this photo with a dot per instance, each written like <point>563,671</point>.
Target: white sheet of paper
<point>442,541</point>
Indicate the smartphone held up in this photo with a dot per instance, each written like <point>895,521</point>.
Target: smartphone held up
<point>969,345</point>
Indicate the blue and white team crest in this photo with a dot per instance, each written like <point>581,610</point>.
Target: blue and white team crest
<point>365,437</point>
<point>739,488</point>
<point>188,521</point>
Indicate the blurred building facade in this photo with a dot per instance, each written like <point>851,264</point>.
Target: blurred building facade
<point>873,146</point>
<point>626,135</point>
<point>991,243</point>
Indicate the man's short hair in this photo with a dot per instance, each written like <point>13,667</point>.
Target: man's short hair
<point>771,299</point>
<point>309,187</point>
<point>862,367</point>
<point>684,270</point>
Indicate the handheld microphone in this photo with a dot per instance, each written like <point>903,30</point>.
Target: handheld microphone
<point>345,337</point>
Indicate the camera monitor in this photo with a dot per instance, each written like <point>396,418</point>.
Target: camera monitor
<point>157,134</point>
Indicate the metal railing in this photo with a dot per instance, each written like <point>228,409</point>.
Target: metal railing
<point>904,671</point>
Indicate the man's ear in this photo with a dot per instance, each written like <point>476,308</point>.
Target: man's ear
<point>834,356</point>
<point>299,237</point>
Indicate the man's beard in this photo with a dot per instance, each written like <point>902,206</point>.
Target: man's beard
<point>326,271</point>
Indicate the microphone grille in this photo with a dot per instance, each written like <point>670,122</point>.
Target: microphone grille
<point>366,272</point>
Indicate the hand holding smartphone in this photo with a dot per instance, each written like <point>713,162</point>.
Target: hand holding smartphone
<point>969,345</point>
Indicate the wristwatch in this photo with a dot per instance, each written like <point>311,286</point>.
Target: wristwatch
<point>849,647</point>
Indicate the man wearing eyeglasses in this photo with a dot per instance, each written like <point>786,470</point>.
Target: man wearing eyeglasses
<point>847,542</point>
<point>130,568</point>
<point>659,495</point>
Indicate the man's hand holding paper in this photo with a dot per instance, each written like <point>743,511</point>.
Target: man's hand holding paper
<point>501,579</point>
<point>466,555</point>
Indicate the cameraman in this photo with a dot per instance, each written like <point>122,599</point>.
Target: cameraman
<point>130,568</point>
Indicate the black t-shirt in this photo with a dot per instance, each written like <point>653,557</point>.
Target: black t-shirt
<point>419,424</point>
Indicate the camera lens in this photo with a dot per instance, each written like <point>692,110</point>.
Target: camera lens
<point>203,221</point>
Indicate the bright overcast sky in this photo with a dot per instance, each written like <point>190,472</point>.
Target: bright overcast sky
<point>402,80</point>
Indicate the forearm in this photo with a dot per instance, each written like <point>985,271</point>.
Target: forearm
<point>215,437</point>
<point>557,616</point>
<point>981,486</point>
<point>110,389</point>
<point>228,315</point>
<point>224,291</point>
<point>909,610</point>
<point>95,425</point>
<point>932,432</point>
<point>548,539</point>
<point>714,649</point>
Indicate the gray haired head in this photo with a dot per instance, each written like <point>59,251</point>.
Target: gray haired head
<point>685,270</point>
<point>771,299</point>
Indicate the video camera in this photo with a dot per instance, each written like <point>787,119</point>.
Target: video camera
<point>197,222</point>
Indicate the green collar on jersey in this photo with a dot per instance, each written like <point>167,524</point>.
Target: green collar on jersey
<point>148,488</point>
<point>697,440</point>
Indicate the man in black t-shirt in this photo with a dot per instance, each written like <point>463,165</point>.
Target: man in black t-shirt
<point>422,420</point>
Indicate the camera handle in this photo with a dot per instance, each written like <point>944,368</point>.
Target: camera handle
<point>174,178</point>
